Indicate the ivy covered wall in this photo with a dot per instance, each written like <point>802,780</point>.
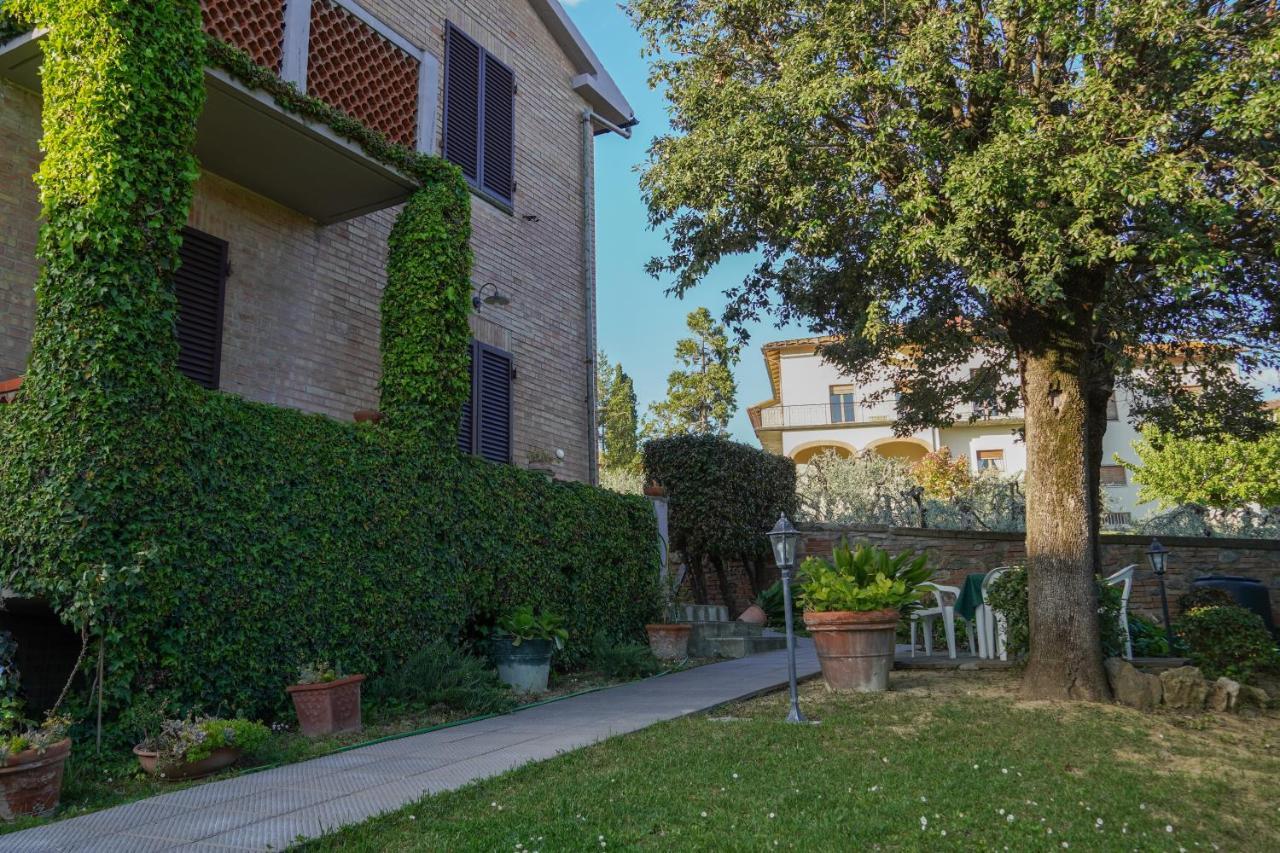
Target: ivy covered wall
<point>207,545</point>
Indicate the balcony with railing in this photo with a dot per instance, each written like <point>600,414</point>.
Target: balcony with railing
<point>333,50</point>
<point>847,412</point>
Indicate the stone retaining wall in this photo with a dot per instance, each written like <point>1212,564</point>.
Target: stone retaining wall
<point>959,552</point>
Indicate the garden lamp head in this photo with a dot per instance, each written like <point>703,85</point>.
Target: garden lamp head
<point>783,538</point>
<point>1158,557</point>
<point>489,294</point>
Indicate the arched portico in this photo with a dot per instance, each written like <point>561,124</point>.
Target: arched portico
<point>909,449</point>
<point>804,453</point>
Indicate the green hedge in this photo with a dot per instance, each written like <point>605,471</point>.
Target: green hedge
<point>724,496</point>
<point>205,545</point>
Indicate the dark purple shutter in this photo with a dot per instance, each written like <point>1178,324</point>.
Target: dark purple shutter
<point>462,58</point>
<point>466,428</point>
<point>200,285</point>
<point>499,128</point>
<point>493,403</point>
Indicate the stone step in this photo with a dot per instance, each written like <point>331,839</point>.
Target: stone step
<point>703,634</point>
<point>741,647</point>
<point>702,613</point>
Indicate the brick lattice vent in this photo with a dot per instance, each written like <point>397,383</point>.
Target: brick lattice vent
<point>254,26</point>
<point>358,71</point>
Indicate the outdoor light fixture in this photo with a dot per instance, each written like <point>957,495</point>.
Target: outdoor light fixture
<point>783,537</point>
<point>1159,559</point>
<point>489,294</point>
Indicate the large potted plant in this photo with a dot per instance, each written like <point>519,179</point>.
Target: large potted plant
<point>197,746</point>
<point>852,604</point>
<point>31,763</point>
<point>326,701</point>
<point>522,644</point>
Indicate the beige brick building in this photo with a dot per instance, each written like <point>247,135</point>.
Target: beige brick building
<point>303,216</point>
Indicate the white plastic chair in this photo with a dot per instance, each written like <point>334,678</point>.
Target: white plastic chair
<point>1124,576</point>
<point>991,623</point>
<point>947,612</point>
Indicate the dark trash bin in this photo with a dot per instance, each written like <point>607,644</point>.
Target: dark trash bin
<point>1249,593</point>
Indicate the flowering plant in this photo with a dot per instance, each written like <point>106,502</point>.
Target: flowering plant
<point>194,738</point>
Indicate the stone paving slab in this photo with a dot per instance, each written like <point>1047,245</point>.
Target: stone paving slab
<point>273,809</point>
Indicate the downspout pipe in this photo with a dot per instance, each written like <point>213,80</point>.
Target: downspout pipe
<point>590,119</point>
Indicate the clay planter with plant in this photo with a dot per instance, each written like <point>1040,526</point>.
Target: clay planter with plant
<point>522,644</point>
<point>31,764</point>
<point>197,746</point>
<point>326,701</point>
<point>852,604</point>
<point>669,641</point>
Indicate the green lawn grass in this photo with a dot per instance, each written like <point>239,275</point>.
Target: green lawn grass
<point>944,761</point>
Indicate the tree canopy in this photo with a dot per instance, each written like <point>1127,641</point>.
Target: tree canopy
<point>1073,194</point>
<point>619,424</point>
<point>1220,472</point>
<point>702,394</point>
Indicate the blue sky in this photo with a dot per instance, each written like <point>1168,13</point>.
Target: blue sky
<point>638,322</point>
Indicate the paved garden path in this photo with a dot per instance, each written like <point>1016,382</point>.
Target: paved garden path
<point>271,809</point>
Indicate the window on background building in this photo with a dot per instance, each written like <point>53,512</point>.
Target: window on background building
<point>485,429</point>
<point>479,115</point>
<point>1113,410</point>
<point>990,460</point>
<point>200,283</point>
<point>1113,475</point>
<point>842,404</point>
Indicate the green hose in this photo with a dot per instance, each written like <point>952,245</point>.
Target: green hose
<point>449,725</point>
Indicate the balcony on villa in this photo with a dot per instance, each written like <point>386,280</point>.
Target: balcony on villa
<point>333,50</point>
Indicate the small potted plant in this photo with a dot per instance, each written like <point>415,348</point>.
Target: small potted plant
<point>31,763</point>
<point>852,605</point>
<point>197,746</point>
<point>522,644</point>
<point>326,701</point>
<point>669,641</point>
<point>545,463</point>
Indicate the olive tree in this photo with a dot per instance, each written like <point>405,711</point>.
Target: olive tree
<point>1072,194</point>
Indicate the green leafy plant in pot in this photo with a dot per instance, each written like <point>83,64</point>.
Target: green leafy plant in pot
<point>522,644</point>
<point>852,604</point>
<point>32,756</point>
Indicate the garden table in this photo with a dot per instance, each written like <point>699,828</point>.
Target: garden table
<point>970,597</point>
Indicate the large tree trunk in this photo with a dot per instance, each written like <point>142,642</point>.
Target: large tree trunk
<point>1066,658</point>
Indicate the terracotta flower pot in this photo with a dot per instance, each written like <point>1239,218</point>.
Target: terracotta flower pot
<point>854,649</point>
<point>754,615</point>
<point>31,783</point>
<point>219,759</point>
<point>328,707</point>
<point>669,642</point>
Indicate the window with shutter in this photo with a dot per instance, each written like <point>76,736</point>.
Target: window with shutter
<point>479,115</point>
<point>1113,475</point>
<point>485,427</point>
<point>200,285</point>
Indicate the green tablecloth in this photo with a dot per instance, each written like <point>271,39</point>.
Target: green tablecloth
<point>970,597</point>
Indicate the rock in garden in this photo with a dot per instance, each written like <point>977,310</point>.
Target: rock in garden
<point>1252,697</point>
<point>1223,694</point>
<point>1184,687</point>
<point>1133,688</point>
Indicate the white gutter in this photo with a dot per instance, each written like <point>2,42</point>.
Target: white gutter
<point>590,121</point>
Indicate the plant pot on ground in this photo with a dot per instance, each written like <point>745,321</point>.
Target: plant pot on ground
<point>852,606</point>
<point>522,644</point>
<point>31,764</point>
<point>325,701</point>
<point>197,746</point>
<point>669,641</point>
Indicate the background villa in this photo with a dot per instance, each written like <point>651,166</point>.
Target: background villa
<point>284,259</point>
<point>815,409</point>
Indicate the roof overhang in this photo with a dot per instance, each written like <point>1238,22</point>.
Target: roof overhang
<point>592,82</point>
<point>244,136</point>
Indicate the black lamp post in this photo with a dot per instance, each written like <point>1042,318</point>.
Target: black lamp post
<point>1159,557</point>
<point>784,537</point>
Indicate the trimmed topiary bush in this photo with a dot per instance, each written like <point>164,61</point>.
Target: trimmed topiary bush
<point>724,496</point>
<point>1227,640</point>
